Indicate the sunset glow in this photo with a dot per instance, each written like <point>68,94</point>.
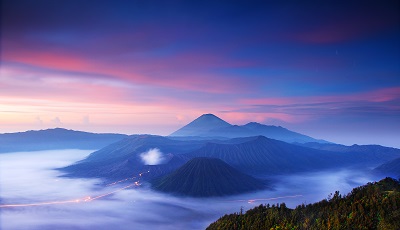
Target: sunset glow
<point>322,69</point>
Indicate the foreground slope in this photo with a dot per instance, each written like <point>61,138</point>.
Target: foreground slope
<point>373,206</point>
<point>57,138</point>
<point>205,177</point>
<point>209,125</point>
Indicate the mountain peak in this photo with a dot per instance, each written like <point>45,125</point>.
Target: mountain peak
<point>201,125</point>
<point>209,116</point>
<point>211,126</point>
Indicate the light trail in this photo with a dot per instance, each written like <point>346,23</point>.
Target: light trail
<point>85,199</point>
<point>107,194</point>
<point>266,199</point>
<point>39,204</point>
<point>120,181</point>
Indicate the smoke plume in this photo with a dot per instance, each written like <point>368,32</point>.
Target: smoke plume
<point>152,157</point>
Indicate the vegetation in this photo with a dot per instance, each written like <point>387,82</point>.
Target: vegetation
<point>372,206</point>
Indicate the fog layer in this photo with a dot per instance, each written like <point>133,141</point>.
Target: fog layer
<point>29,178</point>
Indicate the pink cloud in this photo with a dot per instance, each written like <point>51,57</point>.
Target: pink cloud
<point>57,88</point>
<point>380,95</point>
<point>245,117</point>
<point>172,73</point>
<point>379,102</point>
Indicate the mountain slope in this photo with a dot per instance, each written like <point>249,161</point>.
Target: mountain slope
<point>391,168</point>
<point>261,155</point>
<point>55,139</point>
<point>209,125</point>
<point>279,133</point>
<point>205,177</point>
<point>122,159</point>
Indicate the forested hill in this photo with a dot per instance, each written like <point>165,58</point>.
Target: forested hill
<point>372,206</point>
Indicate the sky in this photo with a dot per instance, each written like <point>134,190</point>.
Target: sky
<point>328,69</point>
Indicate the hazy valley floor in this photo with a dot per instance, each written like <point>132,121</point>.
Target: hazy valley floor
<point>28,178</point>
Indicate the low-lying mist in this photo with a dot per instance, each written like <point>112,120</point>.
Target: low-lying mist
<point>29,178</point>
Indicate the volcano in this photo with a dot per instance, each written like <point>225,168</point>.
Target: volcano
<point>207,177</point>
<point>211,126</point>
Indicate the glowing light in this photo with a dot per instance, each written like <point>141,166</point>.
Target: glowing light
<point>120,181</point>
<point>38,204</point>
<point>107,194</point>
<point>85,199</point>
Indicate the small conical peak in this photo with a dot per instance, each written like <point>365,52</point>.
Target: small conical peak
<point>208,115</point>
<point>209,118</point>
<point>201,126</point>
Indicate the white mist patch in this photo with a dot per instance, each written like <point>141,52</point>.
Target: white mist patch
<point>152,157</point>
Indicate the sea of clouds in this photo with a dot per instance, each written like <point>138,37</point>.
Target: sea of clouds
<point>31,178</point>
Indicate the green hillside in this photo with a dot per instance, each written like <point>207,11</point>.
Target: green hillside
<point>372,206</point>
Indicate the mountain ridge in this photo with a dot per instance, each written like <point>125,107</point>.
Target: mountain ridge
<point>209,125</point>
<point>255,156</point>
<point>56,138</point>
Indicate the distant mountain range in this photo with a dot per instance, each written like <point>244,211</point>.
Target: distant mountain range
<point>206,177</point>
<point>201,156</point>
<point>55,139</point>
<point>211,126</point>
<point>256,156</point>
<point>376,154</point>
<point>257,150</point>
